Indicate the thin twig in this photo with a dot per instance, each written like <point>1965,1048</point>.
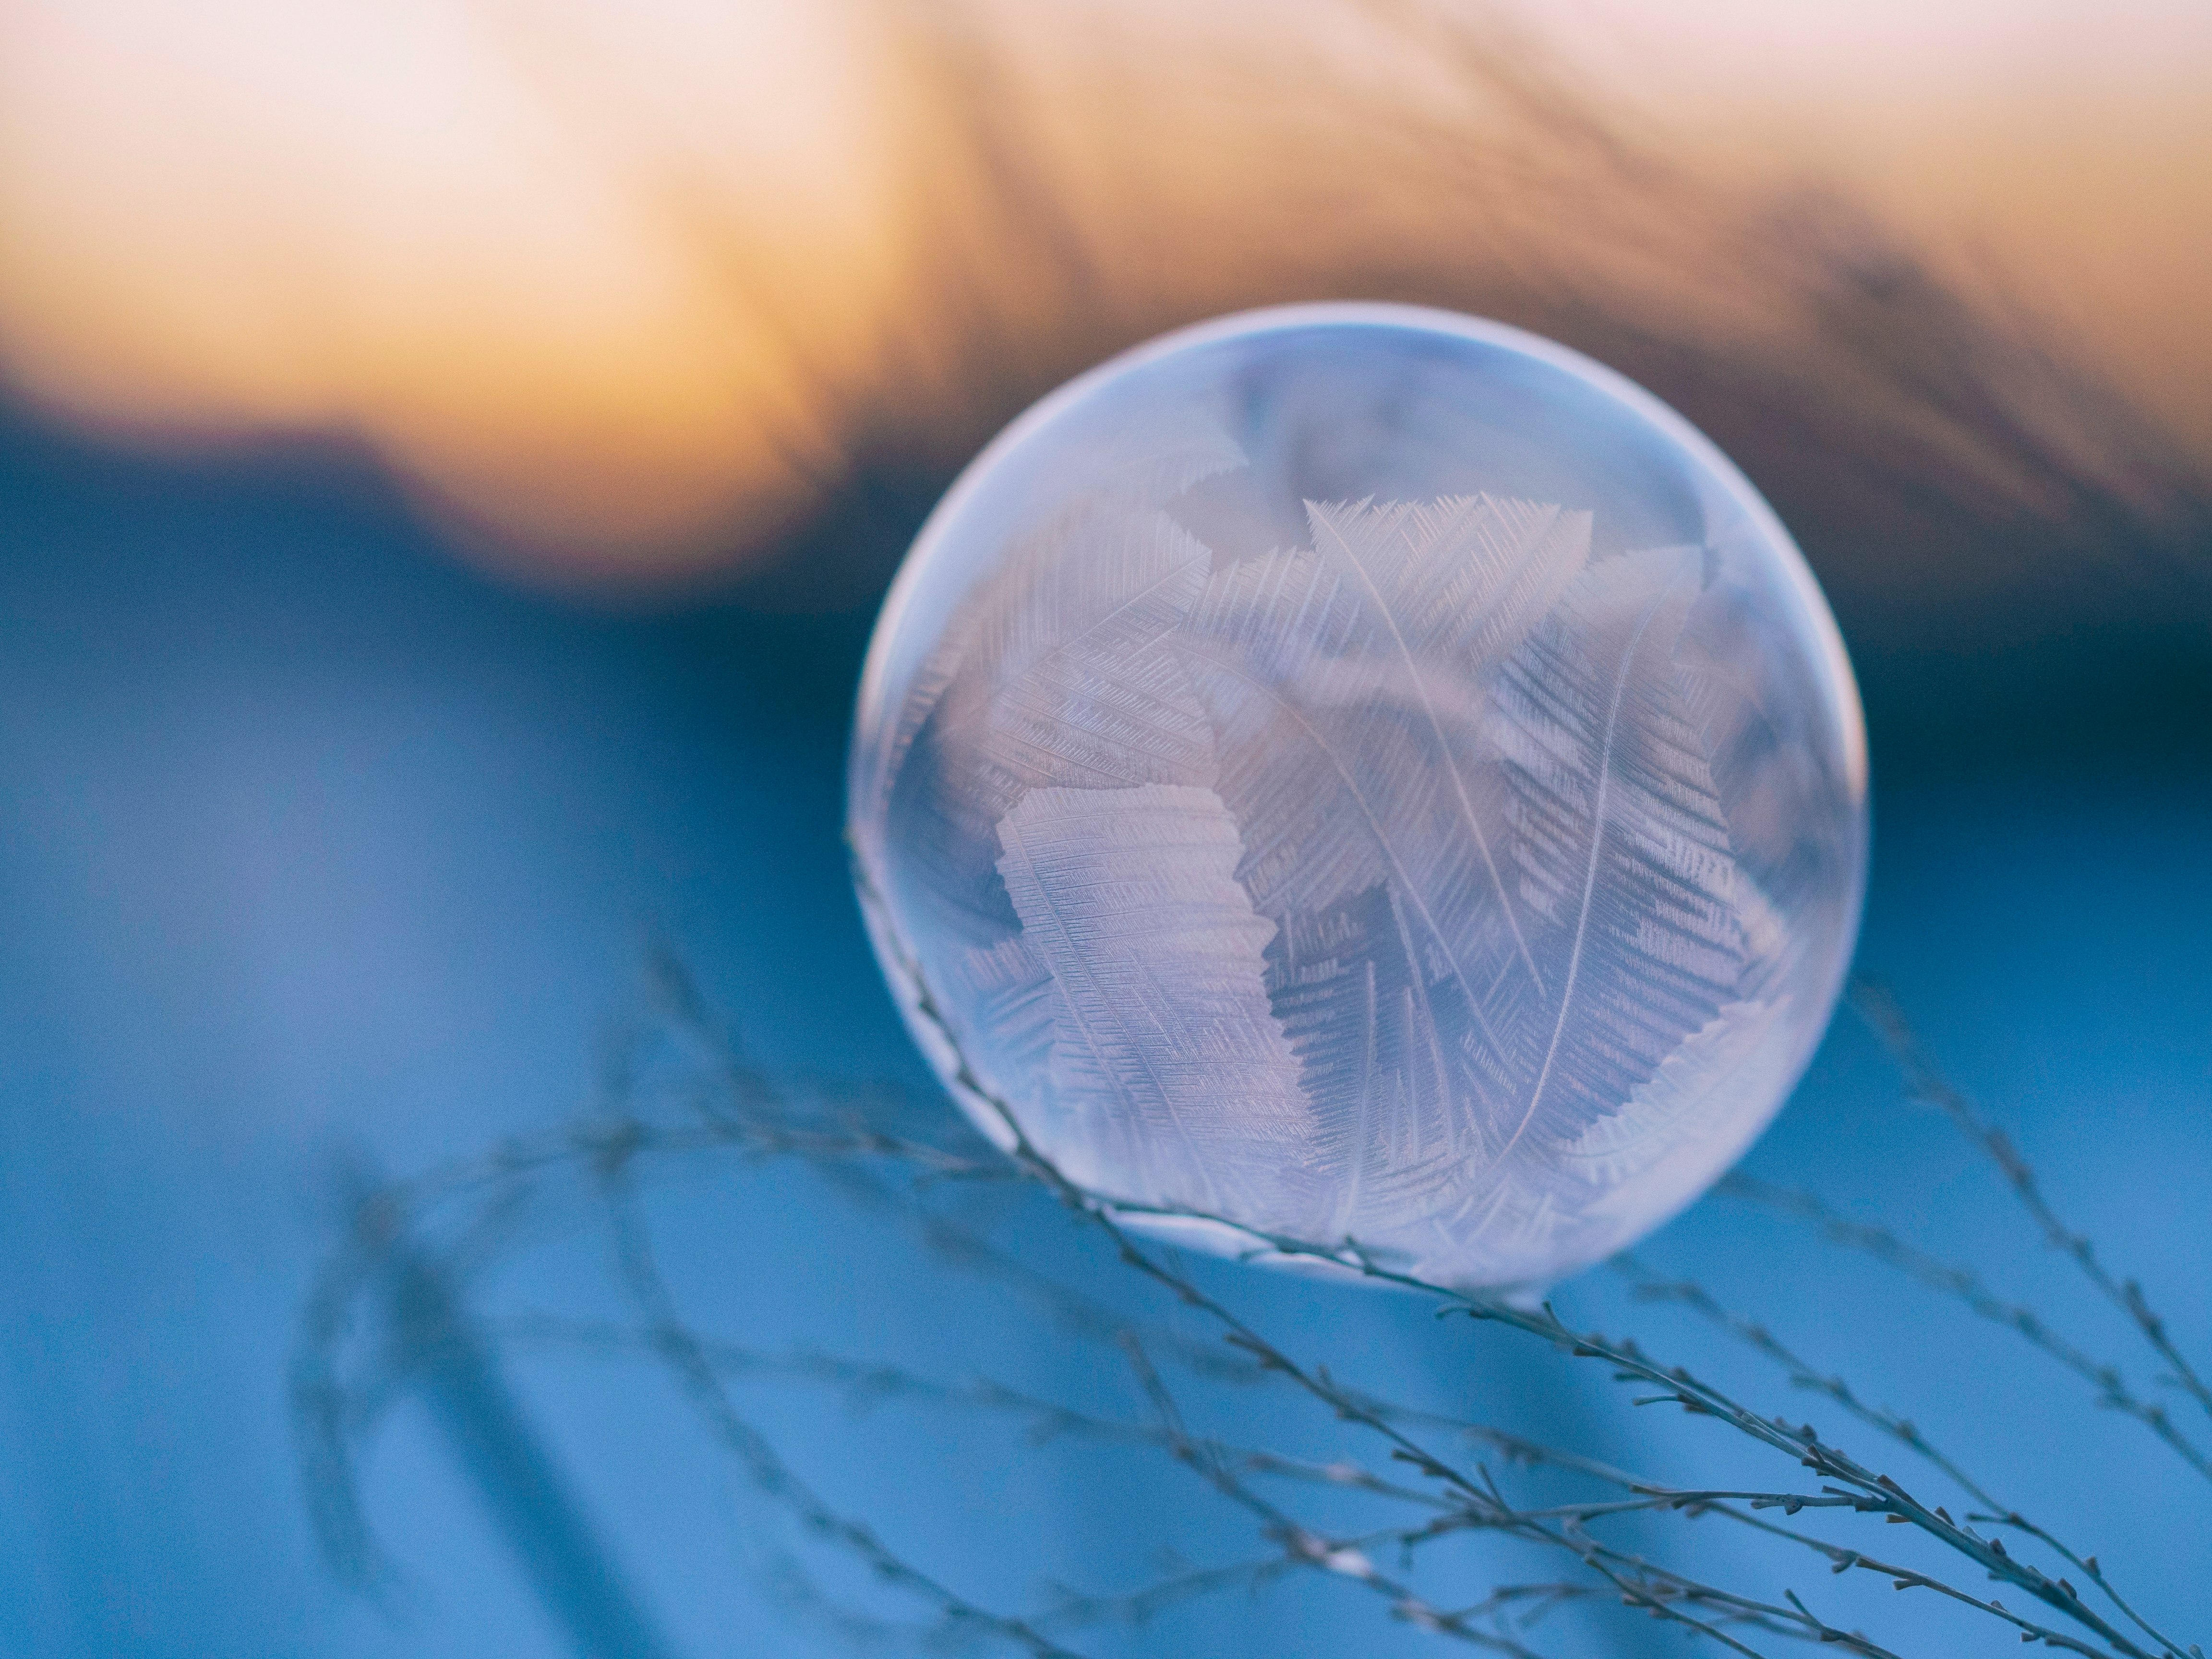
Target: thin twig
<point>743,1111</point>
<point>695,1371</point>
<point>1629,1364</point>
<point>1880,1012</point>
<point>1650,1288</point>
<point>1965,1285</point>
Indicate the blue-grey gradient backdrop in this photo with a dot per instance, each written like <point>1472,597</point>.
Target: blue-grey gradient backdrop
<point>312,844</point>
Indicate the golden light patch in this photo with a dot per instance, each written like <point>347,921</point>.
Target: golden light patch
<point>624,289</point>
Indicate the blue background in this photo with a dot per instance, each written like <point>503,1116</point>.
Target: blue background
<point>312,844</point>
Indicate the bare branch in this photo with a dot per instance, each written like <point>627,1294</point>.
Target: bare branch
<point>1879,1009</point>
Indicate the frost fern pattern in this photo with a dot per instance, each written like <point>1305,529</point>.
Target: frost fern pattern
<point>1379,888</point>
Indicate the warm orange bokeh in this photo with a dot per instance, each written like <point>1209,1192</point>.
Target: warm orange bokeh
<point>586,275</point>
<point>622,289</point>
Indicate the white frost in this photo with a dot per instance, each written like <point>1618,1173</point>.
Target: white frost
<point>1130,897</point>
<point>1624,879</point>
<point>1385,888</point>
<point>1342,686</point>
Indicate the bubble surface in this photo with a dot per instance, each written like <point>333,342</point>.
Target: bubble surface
<point>1365,774</point>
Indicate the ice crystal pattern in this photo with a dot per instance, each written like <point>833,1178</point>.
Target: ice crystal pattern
<point>1379,888</point>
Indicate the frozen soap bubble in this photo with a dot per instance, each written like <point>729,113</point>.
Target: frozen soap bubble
<point>1365,774</point>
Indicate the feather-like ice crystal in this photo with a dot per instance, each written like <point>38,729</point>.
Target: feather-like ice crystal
<point>1368,776</point>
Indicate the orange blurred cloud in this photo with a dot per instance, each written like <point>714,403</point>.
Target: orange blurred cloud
<point>622,291</point>
<point>590,276</point>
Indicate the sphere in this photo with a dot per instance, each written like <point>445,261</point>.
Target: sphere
<point>1364,777</point>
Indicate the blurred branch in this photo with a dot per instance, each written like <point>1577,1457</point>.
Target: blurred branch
<point>718,1102</point>
<point>1965,1285</point>
<point>1879,1009</point>
<point>1880,1493</point>
<point>437,1349</point>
